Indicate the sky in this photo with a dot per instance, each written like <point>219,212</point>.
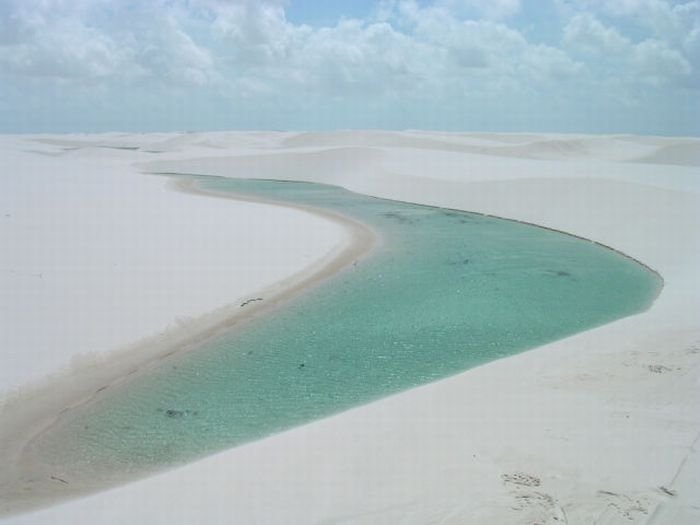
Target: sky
<point>572,66</point>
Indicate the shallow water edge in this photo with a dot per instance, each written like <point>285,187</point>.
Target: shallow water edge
<point>32,410</point>
<point>436,291</point>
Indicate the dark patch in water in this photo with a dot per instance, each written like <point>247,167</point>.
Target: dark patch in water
<point>400,218</point>
<point>176,414</point>
<point>559,273</point>
<point>462,218</point>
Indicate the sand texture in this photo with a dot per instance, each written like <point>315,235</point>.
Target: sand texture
<point>601,427</point>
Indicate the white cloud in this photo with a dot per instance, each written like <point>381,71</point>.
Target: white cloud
<point>360,58</point>
<point>586,33</point>
<point>450,55</point>
<point>89,41</point>
<point>482,54</point>
<point>651,60</point>
<point>255,31</point>
<point>658,63</point>
<point>691,45</point>
<point>67,51</point>
<point>251,45</point>
<point>668,20</point>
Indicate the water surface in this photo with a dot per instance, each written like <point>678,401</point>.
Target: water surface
<point>447,291</point>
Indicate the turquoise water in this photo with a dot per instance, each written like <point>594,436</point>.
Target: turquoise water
<point>446,291</point>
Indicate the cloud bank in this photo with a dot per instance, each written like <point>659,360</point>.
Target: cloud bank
<point>511,65</point>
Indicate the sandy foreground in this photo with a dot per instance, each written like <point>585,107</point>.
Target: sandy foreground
<point>602,427</point>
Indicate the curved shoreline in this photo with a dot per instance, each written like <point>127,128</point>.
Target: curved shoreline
<point>189,185</point>
<point>31,411</point>
<point>551,229</point>
<point>461,210</point>
<point>616,406</point>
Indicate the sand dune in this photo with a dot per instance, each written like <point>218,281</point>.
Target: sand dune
<point>546,147</point>
<point>97,256</point>
<point>683,154</point>
<point>601,427</point>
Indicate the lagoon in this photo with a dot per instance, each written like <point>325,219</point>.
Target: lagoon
<point>445,291</point>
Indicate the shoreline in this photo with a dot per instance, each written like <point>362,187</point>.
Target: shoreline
<point>591,428</point>
<point>365,241</point>
<point>59,393</point>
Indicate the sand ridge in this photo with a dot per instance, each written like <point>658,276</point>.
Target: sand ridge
<point>34,409</point>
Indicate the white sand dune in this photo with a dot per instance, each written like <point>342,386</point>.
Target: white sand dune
<point>682,154</point>
<point>601,427</point>
<point>96,256</point>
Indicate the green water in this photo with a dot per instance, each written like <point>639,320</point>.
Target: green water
<point>446,291</point>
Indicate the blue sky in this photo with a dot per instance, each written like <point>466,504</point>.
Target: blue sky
<point>590,66</point>
<point>320,13</point>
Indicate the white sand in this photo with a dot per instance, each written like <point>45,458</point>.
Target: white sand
<point>96,256</point>
<point>584,430</point>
